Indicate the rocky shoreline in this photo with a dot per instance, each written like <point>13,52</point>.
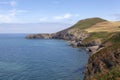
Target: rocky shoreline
<point>104,48</point>
<point>92,47</point>
<point>70,38</point>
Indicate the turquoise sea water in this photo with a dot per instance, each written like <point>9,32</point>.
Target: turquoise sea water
<point>40,59</point>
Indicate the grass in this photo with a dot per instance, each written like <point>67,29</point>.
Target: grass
<point>113,74</point>
<point>97,35</point>
<point>107,26</point>
<point>86,23</point>
<point>111,39</point>
<point>115,38</point>
<point>105,37</point>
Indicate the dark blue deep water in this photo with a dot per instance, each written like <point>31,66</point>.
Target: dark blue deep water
<point>22,59</point>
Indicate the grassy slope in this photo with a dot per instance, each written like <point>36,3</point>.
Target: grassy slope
<point>81,25</point>
<point>97,28</point>
<point>108,26</point>
<point>108,33</point>
<point>87,23</point>
<point>113,44</point>
<point>91,24</point>
<point>97,35</point>
<point>113,74</point>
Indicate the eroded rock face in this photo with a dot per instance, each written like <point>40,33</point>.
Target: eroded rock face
<point>75,38</point>
<point>39,36</point>
<point>101,63</point>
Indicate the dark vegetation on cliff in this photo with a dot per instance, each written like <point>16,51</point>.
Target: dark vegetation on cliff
<point>102,38</point>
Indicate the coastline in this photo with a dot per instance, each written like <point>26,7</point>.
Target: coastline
<point>103,47</point>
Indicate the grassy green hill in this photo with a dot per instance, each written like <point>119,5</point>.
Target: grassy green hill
<point>87,23</point>
<point>96,25</point>
<point>105,63</point>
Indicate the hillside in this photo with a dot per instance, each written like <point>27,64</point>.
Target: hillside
<point>101,38</point>
<point>82,25</point>
<point>105,63</point>
<point>87,23</point>
<point>106,26</point>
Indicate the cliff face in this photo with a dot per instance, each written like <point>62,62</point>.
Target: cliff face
<point>100,64</point>
<point>105,64</point>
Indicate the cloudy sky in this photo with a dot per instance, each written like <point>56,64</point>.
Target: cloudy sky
<point>53,11</point>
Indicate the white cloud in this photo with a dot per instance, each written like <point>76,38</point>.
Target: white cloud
<point>14,12</point>
<point>6,18</point>
<point>116,16</point>
<point>65,16</point>
<point>10,16</point>
<point>43,19</point>
<point>11,3</point>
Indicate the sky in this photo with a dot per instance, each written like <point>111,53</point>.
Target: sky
<point>65,12</point>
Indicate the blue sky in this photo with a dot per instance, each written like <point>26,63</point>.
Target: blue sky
<point>56,11</point>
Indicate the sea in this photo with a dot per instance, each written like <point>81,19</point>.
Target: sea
<point>40,59</point>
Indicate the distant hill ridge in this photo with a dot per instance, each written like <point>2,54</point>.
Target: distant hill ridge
<point>87,23</point>
<point>97,25</point>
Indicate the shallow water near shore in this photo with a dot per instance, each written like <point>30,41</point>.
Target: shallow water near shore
<point>39,59</point>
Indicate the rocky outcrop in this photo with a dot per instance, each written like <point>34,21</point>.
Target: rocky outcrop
<point>105,60</point>
<point>71,35</point>
<point>74,37</point>
<point>39,36</point>
<point>102,62</point>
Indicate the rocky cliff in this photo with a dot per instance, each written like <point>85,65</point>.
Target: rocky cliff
<point>105,64</point>
<point>39,36</point>
<point>101,63</point>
